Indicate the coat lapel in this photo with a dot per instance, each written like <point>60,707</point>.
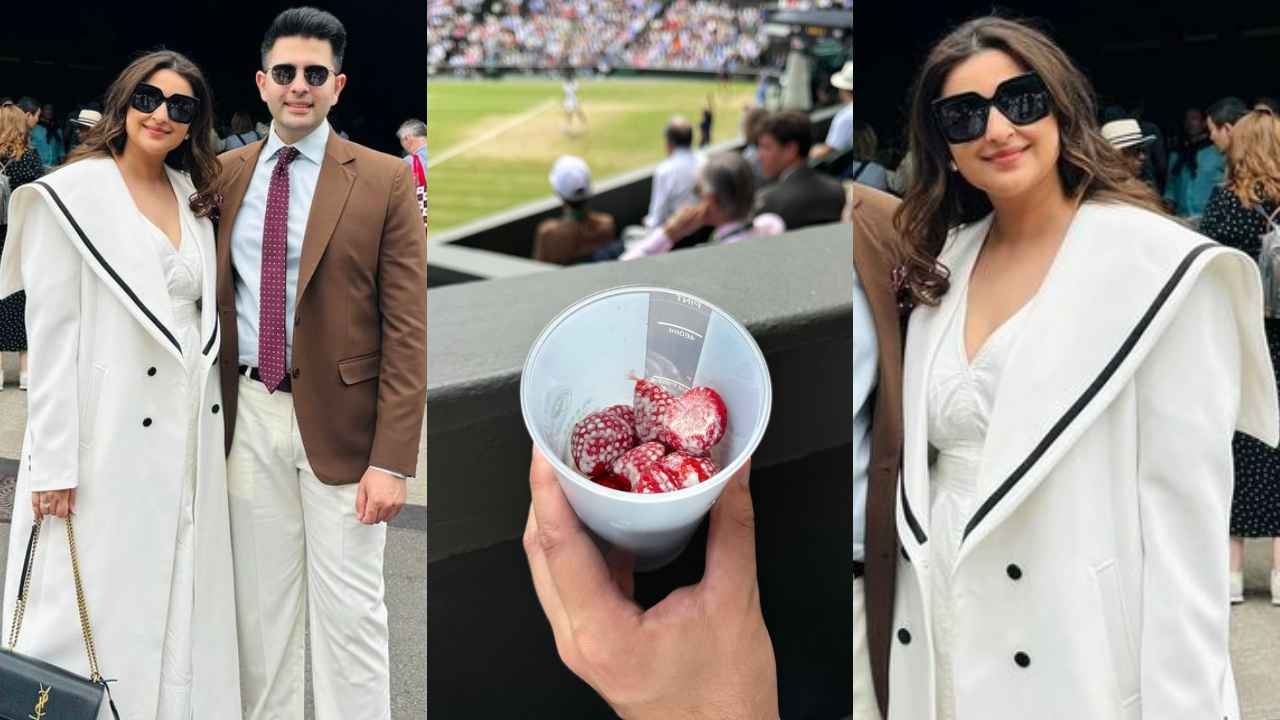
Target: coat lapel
<point>200,231</point>
<point>337,176</point>
<point>237,174</point>
<point>924,338</point>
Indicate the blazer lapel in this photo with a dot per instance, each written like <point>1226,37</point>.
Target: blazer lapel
<point>924,337</point>
<point>238,173</point>
<point>337,176</point>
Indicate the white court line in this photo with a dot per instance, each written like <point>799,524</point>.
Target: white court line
<point>457,150</point>
<point>678,327</point>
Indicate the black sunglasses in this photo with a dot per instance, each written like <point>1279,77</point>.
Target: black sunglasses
<point>315,75</point>
<point>148,98</point>
<point>963,118</point>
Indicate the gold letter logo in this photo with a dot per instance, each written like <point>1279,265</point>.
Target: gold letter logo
<point>41,700</point>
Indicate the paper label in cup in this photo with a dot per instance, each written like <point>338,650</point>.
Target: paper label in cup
<point>677,330</point>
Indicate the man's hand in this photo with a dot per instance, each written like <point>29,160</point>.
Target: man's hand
<point>379,498</point>
<point>703,652</point>
<point>685,222</point>
<point>58,503</point>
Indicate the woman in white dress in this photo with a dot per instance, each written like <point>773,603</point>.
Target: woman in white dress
<point>1074,368</point>
<point>115,251</point>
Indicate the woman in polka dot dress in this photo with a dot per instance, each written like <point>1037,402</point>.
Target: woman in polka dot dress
<point>20,163</point>
<point>1235,217</point>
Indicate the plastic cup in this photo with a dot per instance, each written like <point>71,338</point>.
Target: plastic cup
<point>588,358</point>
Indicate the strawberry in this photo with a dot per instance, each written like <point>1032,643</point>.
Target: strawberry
<point>613,480</point>
<point>650,402</point>
<point>598,439</point>
<point>633,464</point>
<point>694,422</point>
<point>687,469</point>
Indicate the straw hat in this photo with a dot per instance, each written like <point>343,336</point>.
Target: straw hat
<point>844,78</point>
<point>1126,133</point>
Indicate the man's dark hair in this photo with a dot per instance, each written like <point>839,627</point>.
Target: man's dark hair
<point>790,127</point>
<point>680,134</point>
<point>28,104</point>
<point>307,22</point>
<point>1227,111</point>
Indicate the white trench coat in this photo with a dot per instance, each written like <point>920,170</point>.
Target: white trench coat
<point>108,415</point>
<point>1092,578</point>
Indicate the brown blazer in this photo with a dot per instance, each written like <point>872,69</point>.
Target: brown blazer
<point>872,230</point>
<point>360,326</point>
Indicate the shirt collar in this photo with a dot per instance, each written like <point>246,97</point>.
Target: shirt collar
<point>310,147</point>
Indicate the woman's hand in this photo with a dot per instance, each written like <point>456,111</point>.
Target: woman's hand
<point>58,503</point>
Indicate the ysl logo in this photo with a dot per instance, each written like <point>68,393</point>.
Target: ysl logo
<point>41,701</point>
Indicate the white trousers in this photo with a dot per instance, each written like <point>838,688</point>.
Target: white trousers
<point>864,692</point>
<point>298,546</point>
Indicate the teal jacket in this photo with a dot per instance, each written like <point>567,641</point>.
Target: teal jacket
<point>1189,193</point>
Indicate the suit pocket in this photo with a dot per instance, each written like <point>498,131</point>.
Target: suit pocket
<point>1124,658</point>
<point>359,369</point>
<point>89,405</point>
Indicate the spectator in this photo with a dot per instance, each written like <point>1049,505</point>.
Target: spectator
<point>80,123</point>
<point>413,140</point>
<point>1222,116</point>
<point>800,196</point>
<point>1267,104</point>
<point>1240,212</point>
<point>726,188</point>
<point>47,138</point>
<point>865,168</point>
<point>242,132</point>
<point>579,234</point>
<point>1194,169</point>
<point>19,164</point>
<point>752,122</point>
<point>675,178</point>
<point>840,134</point>
<point>1126,135</point>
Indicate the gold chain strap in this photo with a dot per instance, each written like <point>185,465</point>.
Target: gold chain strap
<point>24,590</point>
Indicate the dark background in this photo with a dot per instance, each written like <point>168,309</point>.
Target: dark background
<point>1170,55</point>
<point>68,53</point>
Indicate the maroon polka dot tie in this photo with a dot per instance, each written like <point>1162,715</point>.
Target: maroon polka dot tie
<point>271,300</point>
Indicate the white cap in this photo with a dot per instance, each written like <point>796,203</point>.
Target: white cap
<point>844,79</point>
<point>571,178</point>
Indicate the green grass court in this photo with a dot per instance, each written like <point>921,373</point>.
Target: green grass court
<point>493,142</point>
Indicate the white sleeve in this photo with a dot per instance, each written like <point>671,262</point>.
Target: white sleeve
<point>51,270</point>
<point>1188,393</point>
<point>865,371</point>
<point>657,201</point>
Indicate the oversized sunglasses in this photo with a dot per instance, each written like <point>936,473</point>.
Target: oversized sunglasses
<point>148,98</point>
<point>963,118</point>
<point>315,75</point>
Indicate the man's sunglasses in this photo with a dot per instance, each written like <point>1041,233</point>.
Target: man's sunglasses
<point>148,98</point>
<point>963,118</point>
<point>315,75</point>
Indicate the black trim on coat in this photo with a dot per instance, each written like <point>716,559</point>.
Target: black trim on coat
<point>912,523</point>
<point>107,266</point>
<point>1090,392</point>
<point>212,336</point>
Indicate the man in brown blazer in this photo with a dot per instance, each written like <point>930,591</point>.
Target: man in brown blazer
<point>322,300</point>
<point>872,232</point>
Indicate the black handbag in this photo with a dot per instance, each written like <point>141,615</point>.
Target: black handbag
<point>32,689</point>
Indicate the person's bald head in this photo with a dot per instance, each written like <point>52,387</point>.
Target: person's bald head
<point>679,133</point>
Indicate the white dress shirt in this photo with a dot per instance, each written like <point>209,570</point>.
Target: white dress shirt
<point>840,134</point>
<point>246,235</point>
<point>673,186</point>
<point>865,371</point>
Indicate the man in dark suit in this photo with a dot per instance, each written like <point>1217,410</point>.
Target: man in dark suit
<point>322,301</point>
<point>799,195</point>
<point>873,235</point>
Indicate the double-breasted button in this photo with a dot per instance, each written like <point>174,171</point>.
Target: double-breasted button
<point>216,408</point>
<point>151,372</point>
<point>1022,659</point>
<point>296,373</point>
<point>1015,572</point>
<point>904,636</point>
<point>146,422</point>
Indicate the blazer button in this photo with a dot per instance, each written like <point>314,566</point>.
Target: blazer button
<point>904,637</point>
<point>1015,572</point>
<point>296,373</point>
<point>1022,659</point>
<point>146,422</point>
<point>216,408</point>
<point>151,372</point>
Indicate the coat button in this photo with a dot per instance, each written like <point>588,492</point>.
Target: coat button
<point>146,422</point>
<point>151,372</point>
<point>1022,659</point>
<point>904,637</point>
<point>296,373</point>
<point>1015,572</point>
<point>216,408</point>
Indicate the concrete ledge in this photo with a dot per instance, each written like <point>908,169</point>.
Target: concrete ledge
<point>793,292</point>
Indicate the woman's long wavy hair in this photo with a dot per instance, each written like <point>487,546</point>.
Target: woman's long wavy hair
<point>196,156</point>
<point>14,135</point>
<point>1253,159</point>
<point>938,200</point>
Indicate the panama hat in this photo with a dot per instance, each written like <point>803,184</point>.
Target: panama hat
<point>844,78</point>
<point>1126,133</point>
